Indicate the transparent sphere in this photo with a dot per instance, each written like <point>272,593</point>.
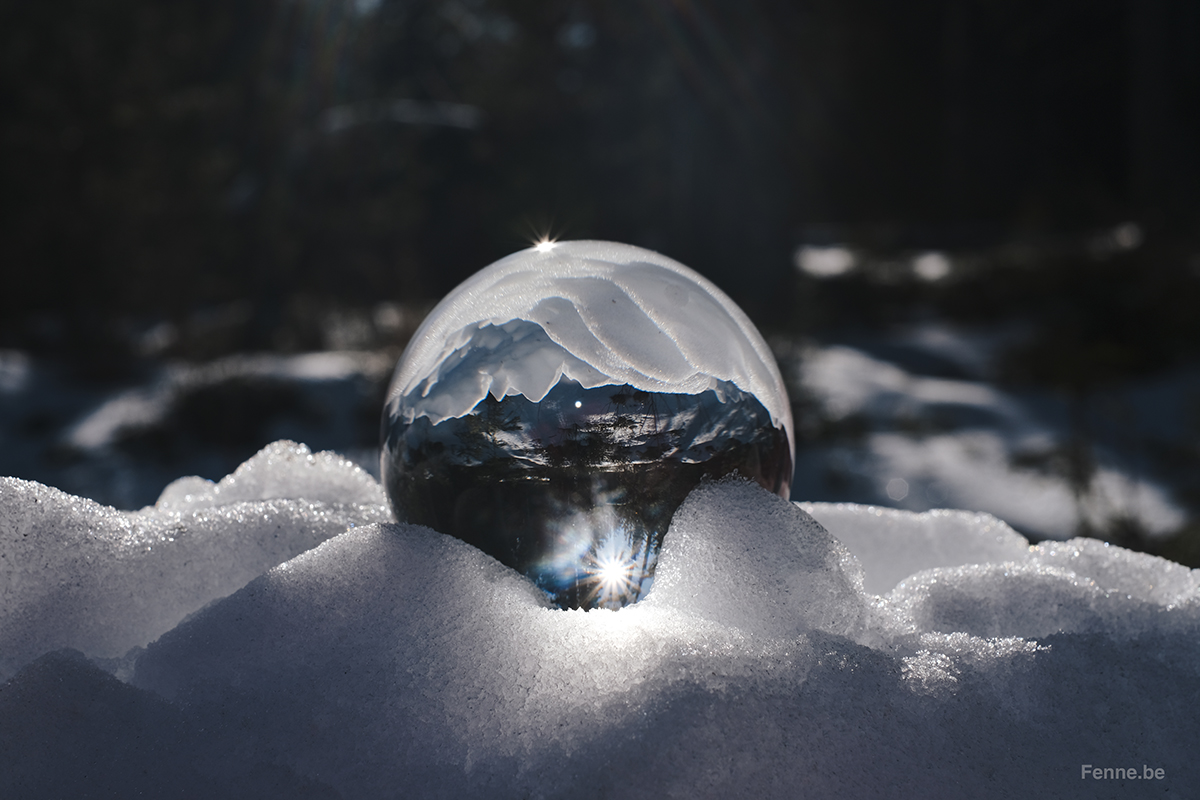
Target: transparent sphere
<point>556,408</point>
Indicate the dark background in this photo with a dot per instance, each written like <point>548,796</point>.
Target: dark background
<point>187,179</point>
<point>164,158</point>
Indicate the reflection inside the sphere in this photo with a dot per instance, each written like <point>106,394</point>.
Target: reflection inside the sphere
<point>578,489</point>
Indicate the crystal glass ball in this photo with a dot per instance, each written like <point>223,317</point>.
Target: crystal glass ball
<point>556,409</point>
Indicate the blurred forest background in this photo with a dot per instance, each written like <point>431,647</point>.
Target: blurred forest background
<point>186,181</point>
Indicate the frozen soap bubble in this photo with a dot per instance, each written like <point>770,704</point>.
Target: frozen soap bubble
<point>556,409</point>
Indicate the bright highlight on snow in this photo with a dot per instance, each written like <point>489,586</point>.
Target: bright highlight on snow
<point>580,381</point>
<point>784,651</point>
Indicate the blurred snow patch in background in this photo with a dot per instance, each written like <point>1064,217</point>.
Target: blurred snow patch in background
<point>824,262</point>
<point>917,409</point>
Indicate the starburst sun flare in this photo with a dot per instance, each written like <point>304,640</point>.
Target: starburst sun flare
<point>611,572</point>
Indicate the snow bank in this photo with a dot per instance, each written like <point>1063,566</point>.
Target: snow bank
<point>784,651</point>
<point>74,573</point>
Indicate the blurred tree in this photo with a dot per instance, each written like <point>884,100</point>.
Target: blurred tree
<point>127,127</point>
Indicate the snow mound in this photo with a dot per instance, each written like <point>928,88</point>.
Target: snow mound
<point>887,654</point>
<point>280,470</point>
<point>78,574</point>
<point>891,545</point>
<point>1079,586</point>
<point>717,564</point>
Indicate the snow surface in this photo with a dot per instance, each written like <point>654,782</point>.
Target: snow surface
<point>786,650</point>
<point>599,313</point>
<point>74,573</point>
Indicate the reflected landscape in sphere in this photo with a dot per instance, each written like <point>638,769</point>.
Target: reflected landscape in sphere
<point>557,408</point>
